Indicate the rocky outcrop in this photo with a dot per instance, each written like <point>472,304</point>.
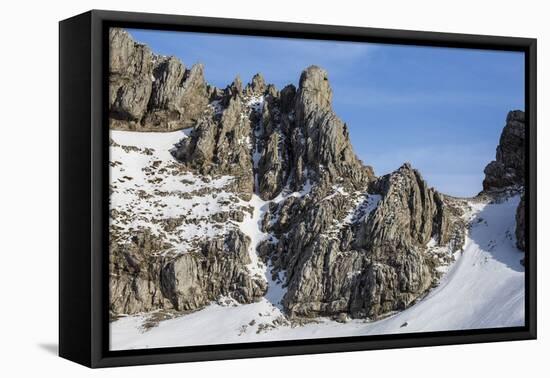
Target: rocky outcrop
<point>149,92</point>
<point>256,87</point>
<point>319,141</point>
<point>345,241</point>
<point>302,141</point>
<point>288,139</point>
<point>509,167</point>
<point>409,213</point>
<point>143,279</point>
<point>178,97</point>
<point>507,172</point>
<point>220,144</point>
<point>130,78</point>
<point>364,257</point>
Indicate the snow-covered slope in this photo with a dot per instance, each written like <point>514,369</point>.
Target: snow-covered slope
<point>148,188</point>
<point>484,288</point>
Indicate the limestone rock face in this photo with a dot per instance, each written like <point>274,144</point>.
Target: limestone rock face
<point>300,140</point>
<point>257,86</point>
<point>343,240</point>
<point>315,93</point>
<point>141,281</point>
<point>178,97</point>
<point>149,92</point>
<point>130,68</point>
<point>364,255</point>
<point>220,145</point>
<point>322,144</point>
<point>288,139</point>
<point>409,213</point>
<point>134,280</point>
<point>509,167</point>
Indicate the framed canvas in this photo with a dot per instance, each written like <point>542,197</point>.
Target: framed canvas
<point>236,188</point>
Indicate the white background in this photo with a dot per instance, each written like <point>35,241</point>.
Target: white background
<point>29,188</point>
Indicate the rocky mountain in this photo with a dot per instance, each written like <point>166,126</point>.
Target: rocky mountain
<point>251,192</point>
<point>361,251</point>
<point>149,92</point>
<point>508,170</point>
<point>509,167</point>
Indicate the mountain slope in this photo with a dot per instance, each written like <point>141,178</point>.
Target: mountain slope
<point>250,200</point>
<point>287,153</point>
<point>484,288</point>
<point>508,170</point>
<point>175,237</point>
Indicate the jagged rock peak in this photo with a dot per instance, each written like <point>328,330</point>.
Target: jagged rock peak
<point>150,92</point>
<point>373,264</point>
<point>405,169</point>
<point>233,90</point>
<point>326,148</point>
<point>194,75</point>
<point>257,86</point>
<point>128,57</point>
<point>237,85</point>
<point>130,68</point>
<point>417,212</point>
<point>508,169</point>
<point>314,88</point>
<point>347,241</point>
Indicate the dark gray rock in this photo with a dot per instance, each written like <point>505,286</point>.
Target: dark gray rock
<point>520,224</point>
<point>288,95</point>
<point>508,170</point>
<point>509,167</point>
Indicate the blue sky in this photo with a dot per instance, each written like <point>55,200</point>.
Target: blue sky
<point>440,109</point>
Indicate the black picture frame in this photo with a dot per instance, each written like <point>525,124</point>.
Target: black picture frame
<point>83,204</point>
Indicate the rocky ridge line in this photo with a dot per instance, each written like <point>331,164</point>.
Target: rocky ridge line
<point>347,243</point>
<point>148,92</point>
